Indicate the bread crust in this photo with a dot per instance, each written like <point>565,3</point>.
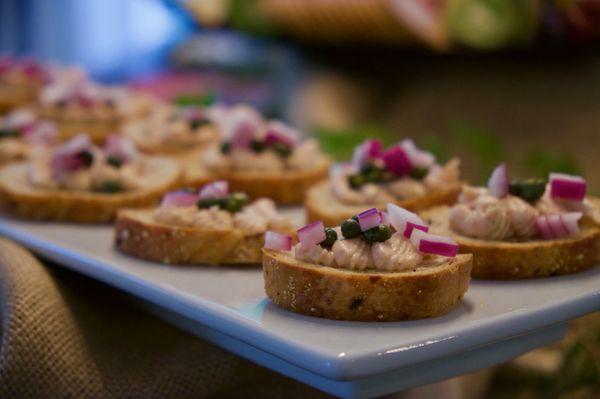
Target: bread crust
<point>18,198</point>
<point>341,294</point>
<point>528,259</point>
<point>138,235</point>
<point>322,205</point>
<point>285,188</point>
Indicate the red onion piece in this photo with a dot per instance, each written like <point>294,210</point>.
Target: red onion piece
<point>278,241</point>
<point>410,226</point>
<point>567,187</point>
<point>498,182</point>
<point>396,160</point>
<point>279,132</point>
<point>542,225</point>
<point>400,219</point>
<point>434,244</point>
<point>417,157</point>
<point>384,218</point>
<point>557,227</point>
<point>311,234</point>
<point>369,219</point>
<point>120,147</point>
<point>179,198</point>
<point>570,221</point>
<point>216,189</point>
<point>42,133</point>
<point>368,150</point>
<point>68,157</point>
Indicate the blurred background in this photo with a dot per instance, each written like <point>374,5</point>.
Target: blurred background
<point>488,80</point>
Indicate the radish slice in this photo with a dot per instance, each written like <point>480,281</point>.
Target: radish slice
<point>400,219</point>
<point>543,227</point>
<point>312,234</point>
<point>570,221</point>
<point>396,160</point>
<point>179,198</point>
<point>278,241</point>
<point>567,187</point>
<point>368,150</point>
<point>278,132</point>
<point>556,226</point>
<point>216,189</point>
<point>417,157</point>
<point>434,244</point>
<point>498,183</point>
<point>120,147</point>
<point>369,219</point>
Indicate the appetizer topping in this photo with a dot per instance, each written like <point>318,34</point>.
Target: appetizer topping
<point>527,210</point>
<point>498,182</point>
<point>278,241</point>
<point>530,190</point>
<point>185,208</point>
<point>79,165</point>
<point>567,187</point>
<point>404,221</point>
<point>400,172</point>
<point>370,245</point>
<point>215,190</point>
<point>119,150</point>
<point>433,244</point>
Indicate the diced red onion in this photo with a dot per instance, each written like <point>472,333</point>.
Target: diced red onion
<point>384,218</point>
<point>571,221</point>
<point>278,132</point>
<point>120,147</point>
<point>278,241</point>
<point>498,182</point>
<point>216,189</point>
<point>180,198</point>
<point>396,160</point>
<point>68,156</point>
<point>557,227</point>
<point>542,225</point>
<point>417,157</point>
<point>567,187</point>
<point>367,150</point>
<point>434,244</point>
<point>400,219</point>
<point>42,133</point>
<point>312,234</point>
<point>369,219</point>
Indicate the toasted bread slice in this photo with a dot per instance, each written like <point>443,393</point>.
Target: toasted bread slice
<point>341,294</point>
<point>522,259</point>
<point>285,187</point>
<point>18,198</point>
<point>139,235</point>
<point>321,204</point>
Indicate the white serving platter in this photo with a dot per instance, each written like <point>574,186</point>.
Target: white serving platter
<point>496,320</point>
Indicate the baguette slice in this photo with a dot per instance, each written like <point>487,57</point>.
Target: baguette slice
<point>526,259</point>
<point>285,188</point>
<point>341,294</point>
<point>18,198</point>
<point>321,204</point>
<point>139,235</point>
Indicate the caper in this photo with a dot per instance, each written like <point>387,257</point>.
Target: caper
<point>6,133</point>
<point>350,228</point>
<point>379,233</point>
<point>110,187</point>
<point>530,189</point>
<point>372,173</point>
<point>235,202</point>
<point>86,157</point>
<point>419,173</point>
<point>198,122</point>
<point>225,148</point>
<point>257,146</point>
<point>355,181</point>
<point>114,161</point>
<point>282,150</point>
<point>330,238</point>
<point>208,202</point>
